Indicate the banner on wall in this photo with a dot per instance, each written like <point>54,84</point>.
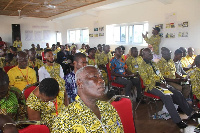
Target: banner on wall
<point>46,35</point>
<point>29,35</point>
<point>38,35</point>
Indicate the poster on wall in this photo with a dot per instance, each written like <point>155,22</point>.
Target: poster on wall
<point>95,29</point>
<point>38,35</point>
<point>29,35</point>
<point>101,34</point>
<point>46,34</point>
<point>90,35</point>
<point>101,28</point>
<point>183,34</point>
<point>183,24</point>
<point>170,25</point>
<point>96,35</point>
<point>170,35</point>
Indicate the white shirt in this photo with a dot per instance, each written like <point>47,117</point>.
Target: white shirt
<point>42,72</point>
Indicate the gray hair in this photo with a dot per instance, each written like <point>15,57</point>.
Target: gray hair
<point>80,71</point>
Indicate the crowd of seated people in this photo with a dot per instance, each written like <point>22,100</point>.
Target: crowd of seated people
<point>68,87</point>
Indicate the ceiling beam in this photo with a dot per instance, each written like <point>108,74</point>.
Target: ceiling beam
<point>11,1</point>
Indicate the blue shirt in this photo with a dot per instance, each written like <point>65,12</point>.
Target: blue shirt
<point>70,85</point>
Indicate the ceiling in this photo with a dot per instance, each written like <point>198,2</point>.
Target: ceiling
<point>41,8</point>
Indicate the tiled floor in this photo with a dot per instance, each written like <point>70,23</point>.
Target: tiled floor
<point>145,124</point>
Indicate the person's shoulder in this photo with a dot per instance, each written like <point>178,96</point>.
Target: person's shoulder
<point>30,69</point>
<point>12,70</point>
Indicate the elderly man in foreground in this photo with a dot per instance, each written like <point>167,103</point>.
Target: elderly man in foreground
<point>87,113</point>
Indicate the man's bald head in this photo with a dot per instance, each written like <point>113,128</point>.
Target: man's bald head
<point>90,83</point>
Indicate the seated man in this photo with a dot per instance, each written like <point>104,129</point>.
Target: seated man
<point>102,59</point>
<point>22,75</point>
<point>91,57</point>
<point>33,62</point>
<point>195,79</point>
<point>88,114</point>
<point>45,102</point>
<point>53,70</point>
<point>120,73</point>
<point>191,56</point>
<point>12,102</point>
<point>7,125</point>
<point>168,70</point>
<point>155,84</point>
<point>70,83</point>
<point>184,60</point>
<point>180,73</point>
<point>133,63</point>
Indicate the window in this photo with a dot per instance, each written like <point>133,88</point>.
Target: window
<point>78,36</point>
<point>58,37</point>
<point>125,34</point>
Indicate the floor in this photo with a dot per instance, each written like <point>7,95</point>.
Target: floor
<point>145,124</point>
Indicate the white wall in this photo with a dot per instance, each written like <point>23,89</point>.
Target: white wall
<point>34,24</point>
<point>153,12</point>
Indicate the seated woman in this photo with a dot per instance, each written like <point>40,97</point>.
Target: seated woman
<point>7,125</point>
<point>45,102</point>
<point>12,102</point>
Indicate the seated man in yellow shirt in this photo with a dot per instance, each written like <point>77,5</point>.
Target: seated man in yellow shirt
<point>191,56</point>
<point>184,60</point>
<point>155,84</point>
<point>88,113</point>
<point>133,63</point>
<point>33,62</point>
<point>102,59</point>
<point>195,79</point>
<point>22,75</point>
<point>168,70</point>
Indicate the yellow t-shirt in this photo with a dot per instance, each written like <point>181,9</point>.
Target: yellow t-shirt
<point>184,62</point>
<point>20,78</point>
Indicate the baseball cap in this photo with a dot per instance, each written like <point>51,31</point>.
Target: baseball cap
<point>157,28</point>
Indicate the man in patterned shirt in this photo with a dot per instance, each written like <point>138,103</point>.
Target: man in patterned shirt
<point>122,75</point>
<point>33,62</point>
<point>168,70</point>
<point>191,56</point>
<point>184,60</point>
<point>195,79</point>
<point>155,84</point>
<point>70,83</point>
<point>154,40</point>
<point>102,59</point>
<point>88,114</point>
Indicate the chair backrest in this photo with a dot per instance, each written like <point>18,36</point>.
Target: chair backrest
<point>7,68</point>
<point>35,129</point>
<point>43,59</point>
<point>28,91</point>
<point>108,71</point>
<point>142,85</point>
<point>124,109</point>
